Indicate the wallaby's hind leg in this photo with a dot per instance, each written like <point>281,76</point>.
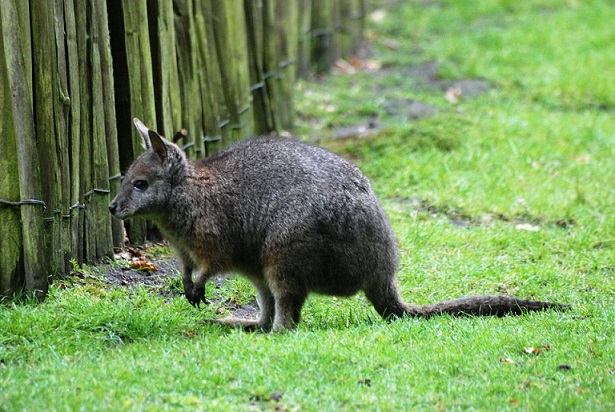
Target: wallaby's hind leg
<point>266,302</point>
<point>288,311</point>
<point>289,294</point>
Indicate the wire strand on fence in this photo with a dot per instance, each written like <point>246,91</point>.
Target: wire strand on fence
<point>24,202</point>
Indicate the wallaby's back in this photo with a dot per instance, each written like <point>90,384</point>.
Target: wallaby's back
<point>282,199</point>
<point>293,218</point>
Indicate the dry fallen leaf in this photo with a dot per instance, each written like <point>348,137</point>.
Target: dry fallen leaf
<point>142,264</point>
<point>378,15</point>
<point>528,227</point>
<point>507,360</point>
<point>342,66</point>
<point>582,159</point>
<point>453,95</point>
<point>367,65</point>
<point>536,350</point>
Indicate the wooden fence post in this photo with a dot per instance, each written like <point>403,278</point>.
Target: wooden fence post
<point>17,52</point>
<point>213,104</point>
<point>231,46</point>
<point>110,121</point>
<point>11,256</point>
<point>140,85</point>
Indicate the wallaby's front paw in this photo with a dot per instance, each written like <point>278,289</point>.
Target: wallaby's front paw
<point>196,296</point>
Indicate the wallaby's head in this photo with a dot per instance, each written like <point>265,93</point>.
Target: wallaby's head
<point>148,185</point>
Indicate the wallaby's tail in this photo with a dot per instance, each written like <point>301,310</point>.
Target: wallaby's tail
<point>485,305</point>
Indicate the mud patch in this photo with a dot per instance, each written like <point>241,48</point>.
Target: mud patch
<point>460,218</point>
<point>410,109</point>
<point>426,75</point>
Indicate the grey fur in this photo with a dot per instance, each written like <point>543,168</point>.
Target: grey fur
<point>291,217</point>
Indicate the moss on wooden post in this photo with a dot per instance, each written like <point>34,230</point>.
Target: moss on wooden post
<point>15,31</point>
<point>166,77</point>
<point>323,52</point>
<point>74,127</point>
<point>100,152</point>
<point>188,69</point>
<point>262,112</point>
<point>281,48</point>
<point>232,57</point>
<point>44,92</point>
<point>110,121</point>
<point>141,87</point>
<point>61,105</point>
<point>304,40</point>
<point>11,256</point>
<point>213,104</point>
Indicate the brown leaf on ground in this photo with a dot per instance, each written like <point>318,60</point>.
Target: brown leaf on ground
<point>143,264</point>
<point>536,350</point>
<point>453,95</point>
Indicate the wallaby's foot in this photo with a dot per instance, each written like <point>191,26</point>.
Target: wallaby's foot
<point>196,296</point>
<point>248,325</point>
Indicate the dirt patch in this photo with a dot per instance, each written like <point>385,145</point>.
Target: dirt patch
<point>408,108</point>
<point>166,281</point>
<point>460,218</point>
<point>426,75</point>
<point>122,275</point>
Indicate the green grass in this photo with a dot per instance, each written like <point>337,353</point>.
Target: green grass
<point>537,148</point>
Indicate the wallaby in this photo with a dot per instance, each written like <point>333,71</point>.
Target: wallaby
<point>291,217</point>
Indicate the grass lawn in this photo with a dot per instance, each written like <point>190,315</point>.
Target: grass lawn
<point>492,147</point>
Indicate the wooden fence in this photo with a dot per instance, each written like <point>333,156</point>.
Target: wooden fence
<point>74,73</point>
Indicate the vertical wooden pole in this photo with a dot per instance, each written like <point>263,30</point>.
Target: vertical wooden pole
<point>305,37</point>
<point>187,65</point>
<point>110,121</point>
<point>322,34</point>
<point>16,34</point>
<point>62,107</point>
<point>74,135</point>
<point>87,218</point>
<point>141,87</point>
<point>166,80</point>
<point>232,56</point>
<point>45,92</point>
<point>216,116</point>
<point>280,48</point>
<point>255,26</point>
<point>99,150</point>
<point>11,256</point>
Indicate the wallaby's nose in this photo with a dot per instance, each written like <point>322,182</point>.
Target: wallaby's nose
<point>112,208</point>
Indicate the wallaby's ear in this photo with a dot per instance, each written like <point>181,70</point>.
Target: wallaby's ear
<point>143,130</point>
<point>151,140</point>
<point>158,144</point>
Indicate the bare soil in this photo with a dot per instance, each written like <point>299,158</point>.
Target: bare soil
<point>164,278</point>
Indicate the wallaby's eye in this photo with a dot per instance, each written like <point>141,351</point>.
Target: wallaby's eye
<point>140,185</point>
